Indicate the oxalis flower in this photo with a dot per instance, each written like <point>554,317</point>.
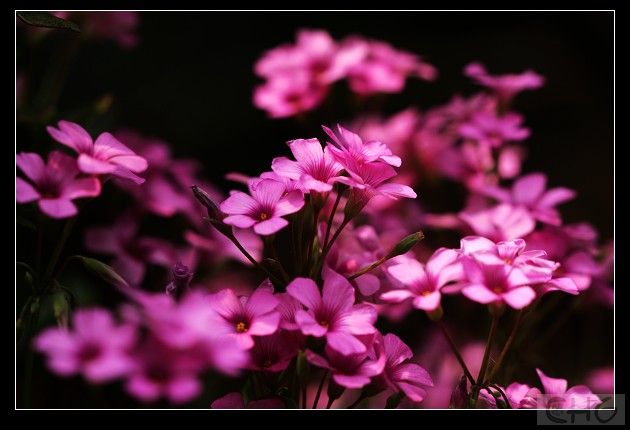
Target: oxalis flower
<point>506,86</point>
<point>264,208</point>
<point>332,312</point>
<point>348,148</point>
<point>53,185</point>
<point>106,155</point>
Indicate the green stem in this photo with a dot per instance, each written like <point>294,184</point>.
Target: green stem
<point>357,402</point>
<point>459,357</point>
<point>331,217</point>
<point>309,252</point>
<point>58,250</point>
<point>253,260</point>
<point>330,402</point>
<point>368,268</point>
<point>508,344</point>
<point>334,237</point>
<point>319,390</point>
<point>30,358</point>
<point>484,362</point>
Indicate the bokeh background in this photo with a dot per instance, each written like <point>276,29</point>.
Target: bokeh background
<point>190,82</point>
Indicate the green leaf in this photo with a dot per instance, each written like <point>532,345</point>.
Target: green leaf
<point>61,308</point>
<point>48,20</point>
<point>105,272</point>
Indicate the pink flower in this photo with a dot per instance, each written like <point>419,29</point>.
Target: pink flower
<point>288,94</point>
<point>235,401</point>
<point>105,156</point>
<point>424,281</point>
<point>557,396</point>
<point>529,192</point>
<point>53,185</point>
<point>97,347</point>
<point>350,371</point>
<point>506,86</point>
<point>396,131</point>
<point>492,130</point>
<point>246,317</point>
<point>504,273</point>
<point>602,380</point>
<point>332,313</point>
<point>399,374</point>
<point>132,253</point>
<point>383,68</point>
<point>315,169</point>
<point>274,352</point>
<point>264,208</point>
<point>520,396</point>
<point>348,148</point>
<point>500,222</point>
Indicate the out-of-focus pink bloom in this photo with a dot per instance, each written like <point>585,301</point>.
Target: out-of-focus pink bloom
<point>332,312</point>
<point>107,155</point>
<point>510,160</point>
<point>396,131</point>
<point>245,317</point>
<point>492,130</point>
<point>97,347</point>
<point>401,375</point>
<point>348,148</point>
<point>315,169</point>
<point>423,282</point>
<point>520,396</point>
<point>273,353</point>
<point>557,396</point>
<point>506,86</point>
<point>504,273</point>
<point>132,253</point>
<point>500,222</point>
<point>288,94</point>
<point>53,185</point>
<point>235,401</point>
<point>383,68</point>
<point>529,192</point>
<point>353,370</point>
<point>119,26</point>
<point>264,208</point>
<point>602,380</point>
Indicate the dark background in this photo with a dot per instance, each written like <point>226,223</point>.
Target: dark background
<point>190,82</point>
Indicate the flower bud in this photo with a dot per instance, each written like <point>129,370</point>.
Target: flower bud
<point>215,216</point>
<point>405,244</point>
<point>180,280</point>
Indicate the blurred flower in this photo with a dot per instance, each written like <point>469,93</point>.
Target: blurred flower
<point>506,86</point>
<point>96,346</point>
<point>500,222</point>
<point>492,130</point>
<point>53,185</point>
<point>602,380</point>
<point>107,155</point>
<point>557,396</point>
<point>332,313</point>
<point>274,352</point>
<point>235,401</point>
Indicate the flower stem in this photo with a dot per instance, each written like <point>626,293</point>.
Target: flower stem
<point>319,390</point>
<point>368,268</point>
<point>330,402</point>
<point>461,361</point>
<point>508,344</point>
<point>334,237</point>
<point>484,362</point>
<point>252,259</point>
<point>57,251</point>
<point>356,402</point>
<point>331,217</point>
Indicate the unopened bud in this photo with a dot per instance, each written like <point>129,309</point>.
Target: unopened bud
<point>406,244</point>
<point>180,280</point>
<point>215,216</point>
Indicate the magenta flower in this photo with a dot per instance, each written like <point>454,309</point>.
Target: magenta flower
<point>235,401</point>
<point>288,94</point>
<point>132,253</point>
<point>348,148</point>
<point>97,347</point>
<point>332,312</point>
<point>401,375</point>
<point>315,169</point>
<point>398,130</point>
<point>352,370</point>
<point>263,209</point>
<point>529,192</point>
<point>244,318</point>
<point>423,282</point>
<point>500,222</point>
<point>384,69</point>
<point>53,185</point>
<point>520,396</point>
<point>273,353</point>
<point>557,396</point>
<point>492,130</point>
<point>506,86</point>
<point>107,155</point>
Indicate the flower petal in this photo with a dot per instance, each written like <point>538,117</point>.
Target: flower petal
<point>58,208</point>
<point>24,192</point>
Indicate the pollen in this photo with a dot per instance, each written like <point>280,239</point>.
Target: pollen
<point>241,327</point>
<point>263,216</point>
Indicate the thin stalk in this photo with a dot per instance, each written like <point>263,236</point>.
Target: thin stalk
<point>484,362</point>
<point>334,237</point>
<point>356,402</point>
<point>319,390</point>
<point>253,260</point>
<point>330,402</point>
<point>58,250</point>
<point>331,217</point>
<point>508,344</point>
<point>461,361</point>
<point>368,268</point>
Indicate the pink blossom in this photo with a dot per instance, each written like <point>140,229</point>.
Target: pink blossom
<point>520,396</point>
<point>235,401</point>
<point>557,396</point>
<point>350,370</point>
<point>602,380</point>
<point>529,192</point>
<point>274,352</point>
<point>288,94</point>
<point>423,282</point>
<point>96,347</point>
<point>401,375</point>
<point>492,130</point>
<point>315,169</point>
<point>264,208</point>
<point>53,185</point>
<point>500,222</point>
<point>332,312</point>
<point>350,150</point>
<point>132,253</point>
<point>246,317</point>
<point>107,155</point>
<point>506,86</point>
<point>383,68</point>
<point>396,131</point>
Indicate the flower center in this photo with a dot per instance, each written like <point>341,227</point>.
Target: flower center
<point>324,323</point>
<point>241,327</point>
<point>266,364</point>
<point>425,293</point>
<point>263,216</point>
<point>497,290</point>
